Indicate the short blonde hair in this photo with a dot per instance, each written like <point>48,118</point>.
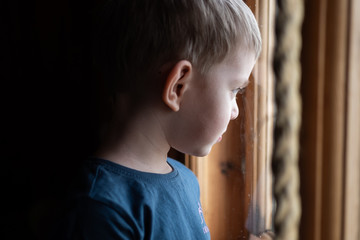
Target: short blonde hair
<point>135,37</point>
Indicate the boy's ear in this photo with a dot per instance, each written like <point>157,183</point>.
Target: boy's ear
<point>177,82</point>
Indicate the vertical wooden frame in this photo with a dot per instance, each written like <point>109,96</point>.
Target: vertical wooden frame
<point>329,163</point>
<point>351,223</point>
<point>313,58</point>
<point>235,179</point>
<point>264,107</point>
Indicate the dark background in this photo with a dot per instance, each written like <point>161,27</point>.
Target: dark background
<point>47,117</point>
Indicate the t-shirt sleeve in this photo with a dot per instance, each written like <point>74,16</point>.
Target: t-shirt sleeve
<point>92,219</point>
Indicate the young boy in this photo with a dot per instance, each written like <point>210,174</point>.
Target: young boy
<point>170,72</point>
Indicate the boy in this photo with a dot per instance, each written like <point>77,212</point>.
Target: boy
<point>170,71</point>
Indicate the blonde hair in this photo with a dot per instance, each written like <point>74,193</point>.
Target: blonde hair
<point>135,37</point>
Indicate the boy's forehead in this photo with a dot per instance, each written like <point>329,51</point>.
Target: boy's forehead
<point>236,67</point>
<point>239,53</point>
<point>239,59</point>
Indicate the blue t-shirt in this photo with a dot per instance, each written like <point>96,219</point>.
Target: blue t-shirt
<point>115,202</point>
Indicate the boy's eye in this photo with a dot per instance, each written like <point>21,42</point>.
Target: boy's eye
<point>238,91</point>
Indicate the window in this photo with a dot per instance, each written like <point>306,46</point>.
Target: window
<point>330,140</point>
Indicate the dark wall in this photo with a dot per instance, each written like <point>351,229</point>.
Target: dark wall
<point>47,124</point>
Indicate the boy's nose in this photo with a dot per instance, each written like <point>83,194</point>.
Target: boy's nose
<point>234,111</point>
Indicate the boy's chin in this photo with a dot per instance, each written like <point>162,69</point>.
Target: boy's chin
<point>201,152</point>
<point>196,151</point>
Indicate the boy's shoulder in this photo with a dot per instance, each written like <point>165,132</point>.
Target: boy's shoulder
<point>94,166</point>
<point>124,189</point>
<point>124,202</point>
<point>101,177</point>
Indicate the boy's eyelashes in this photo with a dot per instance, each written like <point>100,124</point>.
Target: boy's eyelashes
<point>239,90</point>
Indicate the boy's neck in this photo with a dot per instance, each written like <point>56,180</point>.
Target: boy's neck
<point>142,146</point>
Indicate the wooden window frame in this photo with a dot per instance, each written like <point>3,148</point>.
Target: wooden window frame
<point>330,141</point>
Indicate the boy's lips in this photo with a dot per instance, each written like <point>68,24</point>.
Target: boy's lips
<point>221,136</point>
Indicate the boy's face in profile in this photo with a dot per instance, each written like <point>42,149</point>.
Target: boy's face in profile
<point>210,103</point>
